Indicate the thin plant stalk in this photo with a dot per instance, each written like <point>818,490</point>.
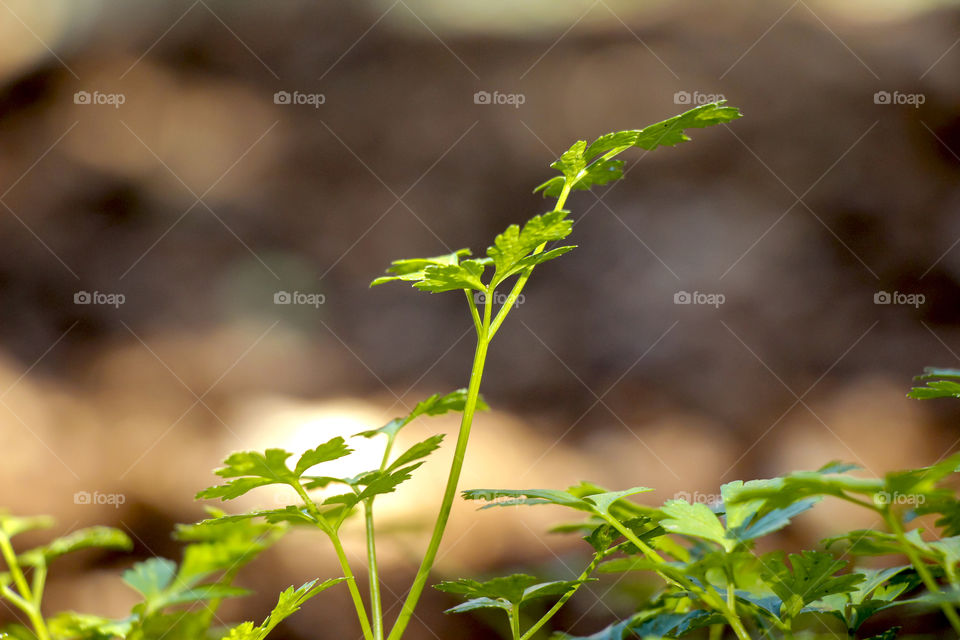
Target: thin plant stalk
<point>341,558</point>
<point>486,328</point>
<point>563,600</point>
<point>376,607</point>
<point>473,391</point>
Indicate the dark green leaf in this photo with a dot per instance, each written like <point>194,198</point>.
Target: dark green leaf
<point>677,624</point>
<point>811,578</point>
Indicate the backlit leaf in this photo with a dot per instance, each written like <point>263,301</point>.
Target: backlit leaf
<point>515,244</point>
<point>440,278</point>
<point>411,269</point>
<point>695,520</point>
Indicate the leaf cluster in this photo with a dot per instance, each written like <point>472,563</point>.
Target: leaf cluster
<point>714,577</point>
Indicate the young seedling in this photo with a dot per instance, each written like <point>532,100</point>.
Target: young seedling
<point>512,257</point>
<point>712,576</point>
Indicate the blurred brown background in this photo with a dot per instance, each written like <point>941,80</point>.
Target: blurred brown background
<point>148,150</point>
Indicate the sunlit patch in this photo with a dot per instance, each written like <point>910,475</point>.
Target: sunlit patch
<point>296,427</point>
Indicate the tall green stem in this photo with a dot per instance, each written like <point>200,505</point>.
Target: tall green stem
<point>515,622</point>
<point>341,558</point>
<point>473,391</point>
<point>485,332</point>
<point>376,608</point>
<point>352,586</point>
